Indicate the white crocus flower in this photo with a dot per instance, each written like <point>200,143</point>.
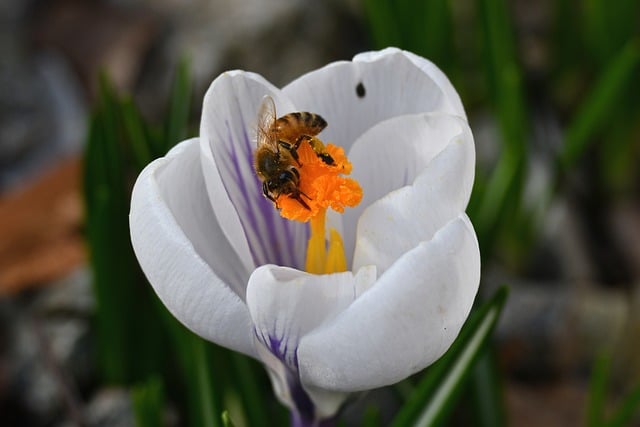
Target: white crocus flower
<point>227,265</point>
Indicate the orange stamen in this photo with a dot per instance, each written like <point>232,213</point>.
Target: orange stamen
<point>322,185</point>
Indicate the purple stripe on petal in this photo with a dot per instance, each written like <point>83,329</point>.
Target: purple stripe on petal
<point>298,421</point>
<point>305,409</point>
<point>243,203</point>
<point>278,228</point>
<point>272,239</point>
<point>304,413</point>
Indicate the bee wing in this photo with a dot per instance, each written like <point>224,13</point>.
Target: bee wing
<point>266,117</point>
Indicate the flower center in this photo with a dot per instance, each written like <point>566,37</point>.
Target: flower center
<point>322,185</point>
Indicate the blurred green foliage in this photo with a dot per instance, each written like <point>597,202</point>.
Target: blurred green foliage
<point>621,416</point>
<point>147,398</point>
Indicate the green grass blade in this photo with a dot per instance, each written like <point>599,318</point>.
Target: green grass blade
<point>438,390</point>
<point>437,33</point>
<point>486,388</point>
<point>135,130</point>
<point>607,28</point>
<point>599,104</point>
<point>107,235</point>
<point>203,399</point>
<point>502,194</point>
<point>624,415</point>
<point>148,403</point>
<point>179,107</point>
<point>382,22</point>
<point>129,344</point>
<point>423,27</point>
<point>598,392</point>
<point>247,378</point>
<point>226,419</point>
<point>371,417</point>
<point>203,378</point>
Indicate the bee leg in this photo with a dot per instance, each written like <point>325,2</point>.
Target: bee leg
<point>297,197</point>
<point>292,149</point>
<point>300,139</point>
<point>318,147</point>
<point>325,157</point>
<point>267,194</point>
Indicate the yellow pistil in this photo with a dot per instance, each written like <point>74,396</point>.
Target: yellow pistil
<point>323,258</point>
<point>323,186</point>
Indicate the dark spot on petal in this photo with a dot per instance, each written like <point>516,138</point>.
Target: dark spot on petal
<point>360,91</point>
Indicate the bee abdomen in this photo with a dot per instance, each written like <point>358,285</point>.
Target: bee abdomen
<point>302,122</point>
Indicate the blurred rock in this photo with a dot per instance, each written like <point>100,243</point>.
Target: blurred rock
<point>114,39</point>
<point>42,109</point>
<point>626,357</point>
<point>560,404</point>
<point>554,331</point>
<point>42,117</point>
<point>279,39</point>
<point>624,218</point>
<point>110,408</point>
<point>48,350</point>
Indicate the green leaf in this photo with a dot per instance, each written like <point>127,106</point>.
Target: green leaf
<point>246,379</point>
<point>624,415</point>
<point>179,107</point>
<point>423,27</point>
<point>598,392</point>
<point>371,417</point>
<point>599,104</point>
<point>607,28</point>
<point>437,392</point>
<point>501,197</point>
<point>129,344</point>
<point>148,403</point>
<point>203,398</point>
<point>114,271</point>
<point>135,130</point>
<point>486,391</point>
<point>383,26</point>
<point>226,419</point>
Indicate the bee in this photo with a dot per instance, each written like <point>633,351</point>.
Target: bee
<point>276,158</point>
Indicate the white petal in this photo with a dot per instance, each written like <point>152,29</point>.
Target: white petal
<point>391,155</point>
<point>229,118</point>
<point>285,303</point>
<point>395,83</point>
<point>287,387</point>
<point>396,223</point>
<point>184,253</point>
<point>429,68</point>
<point>406,321</point>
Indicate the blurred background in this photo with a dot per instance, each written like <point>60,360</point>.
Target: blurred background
<point>92,90</point>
